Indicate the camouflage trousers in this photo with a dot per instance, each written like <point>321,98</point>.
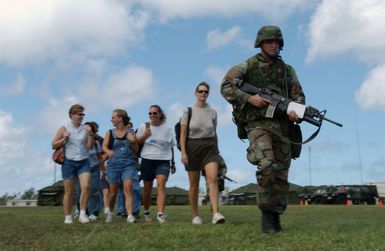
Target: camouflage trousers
<point>272,158</point>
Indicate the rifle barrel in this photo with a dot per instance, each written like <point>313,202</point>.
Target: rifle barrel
<point>333,122</point>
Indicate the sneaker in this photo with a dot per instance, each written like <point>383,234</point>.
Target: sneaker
<point>197,220</point>
<point>131,219</point>
<point>147,216</point>
<point>68,220</point>
<point>83,218</point>
<point>92,217</point>
<point>161,218</point>
<point>109,217</point>
<point>218,219</point>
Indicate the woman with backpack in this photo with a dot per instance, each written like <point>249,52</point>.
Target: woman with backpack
<point>120,147</point>
<point>157,140</point>
<point>199,151</point>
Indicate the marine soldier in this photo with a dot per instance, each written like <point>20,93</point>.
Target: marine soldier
<point>269,147</point>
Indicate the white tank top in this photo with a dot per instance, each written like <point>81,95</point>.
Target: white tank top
<point>76,146</point>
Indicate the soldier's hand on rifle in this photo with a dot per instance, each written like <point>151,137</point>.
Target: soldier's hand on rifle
<point>293,116</point>
<point>258,101</point>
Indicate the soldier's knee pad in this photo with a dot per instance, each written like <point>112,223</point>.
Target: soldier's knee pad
<point>258,161</point>
<point>266,173</point>
<point>252,159</point>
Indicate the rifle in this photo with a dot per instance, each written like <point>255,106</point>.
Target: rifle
<point>281,105</point>
<point>227,178</point>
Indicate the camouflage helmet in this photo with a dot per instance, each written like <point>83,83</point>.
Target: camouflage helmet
<point>269,32</point>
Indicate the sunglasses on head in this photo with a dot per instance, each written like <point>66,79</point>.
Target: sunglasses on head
<point>203,91</point>
<point>152,113</point>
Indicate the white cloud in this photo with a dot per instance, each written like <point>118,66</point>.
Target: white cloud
<point>15,88</point>
<point>17,174</point>
<point>215,74</point>
<point>272,9</point>
<point>355,26</point>
<point>372,92</point>
<point>225,116</point>
<point>175,112</point>
<point>119,90</point>
<point>216,39</point>
<point>12,138</point>
<point>42,30</point>
<point>129,86</point>
<point>55,113</point>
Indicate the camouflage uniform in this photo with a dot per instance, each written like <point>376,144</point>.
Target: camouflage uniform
<point>267,151</point>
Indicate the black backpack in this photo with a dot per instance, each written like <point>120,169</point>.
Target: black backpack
<point>177,128</point>
<point>141,146</point>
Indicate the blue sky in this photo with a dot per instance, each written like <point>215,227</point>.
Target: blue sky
<point>108,54</point>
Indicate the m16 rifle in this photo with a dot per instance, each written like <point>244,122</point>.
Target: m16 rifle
<point>281,105</point>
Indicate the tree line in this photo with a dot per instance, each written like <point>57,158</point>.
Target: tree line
<point>29,194</point>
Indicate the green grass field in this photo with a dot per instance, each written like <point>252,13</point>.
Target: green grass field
<point>305,228</point>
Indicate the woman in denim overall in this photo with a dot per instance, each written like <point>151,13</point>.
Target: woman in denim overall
<point>121,164</point>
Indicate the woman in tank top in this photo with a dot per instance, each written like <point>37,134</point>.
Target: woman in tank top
<point>77,140</point>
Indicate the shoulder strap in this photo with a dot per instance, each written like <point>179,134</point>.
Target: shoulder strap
<point>112,139</point>
<point>189,114</point>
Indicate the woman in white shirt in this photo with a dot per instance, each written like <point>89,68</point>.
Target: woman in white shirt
<point>157,140</point>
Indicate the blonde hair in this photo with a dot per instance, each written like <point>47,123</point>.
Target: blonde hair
<point>123,114</point>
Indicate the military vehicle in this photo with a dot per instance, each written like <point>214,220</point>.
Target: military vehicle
<point>356,194</point>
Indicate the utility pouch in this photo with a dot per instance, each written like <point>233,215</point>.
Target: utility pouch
<point>295,136</point>
<point>241,127</point>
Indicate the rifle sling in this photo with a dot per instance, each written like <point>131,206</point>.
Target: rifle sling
<point>286,140</point>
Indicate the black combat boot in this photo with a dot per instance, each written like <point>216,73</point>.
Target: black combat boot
<point>268,226</point>
<point>277,222</point>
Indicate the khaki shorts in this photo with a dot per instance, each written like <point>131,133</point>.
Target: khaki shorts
<point>200,152</point>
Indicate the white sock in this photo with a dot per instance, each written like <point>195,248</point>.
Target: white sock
<point>82,212</point>
<point>68,217</point>
<point>160,214</point>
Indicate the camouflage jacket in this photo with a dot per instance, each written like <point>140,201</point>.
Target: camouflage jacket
<point>261,73</point>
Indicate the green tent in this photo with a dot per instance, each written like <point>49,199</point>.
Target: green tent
<point>51,195</point>
<point>175,196</point>
<point>246,195</point>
